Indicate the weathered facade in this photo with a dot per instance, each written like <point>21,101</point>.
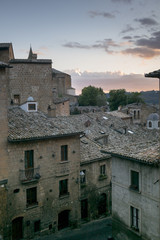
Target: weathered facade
<point>136,194</point>
<point>35,77</point>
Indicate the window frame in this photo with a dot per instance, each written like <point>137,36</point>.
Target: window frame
<point>64,153</point>
<point>135,218</point>
<point>134,180</point>
<point>103,170</point>
<point>63,187</point>
<point>31,196</point>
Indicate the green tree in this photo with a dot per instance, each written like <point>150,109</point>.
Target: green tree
<point>120,97</point>
<point>134,97</point>
<point>117,98</point>
<point>92,96</point>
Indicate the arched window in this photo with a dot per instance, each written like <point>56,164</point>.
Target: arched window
<point>150,124</point>
<point>158,124</point>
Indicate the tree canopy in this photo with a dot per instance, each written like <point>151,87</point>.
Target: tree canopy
<point>120,97</point>
<point>92,96</point>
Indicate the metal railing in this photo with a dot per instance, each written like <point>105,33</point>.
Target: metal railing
<point>29,174</point>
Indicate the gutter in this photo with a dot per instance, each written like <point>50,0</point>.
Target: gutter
<point>42,138</point>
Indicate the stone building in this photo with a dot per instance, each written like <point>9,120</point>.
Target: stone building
<point>139,112</point>
<point>138,188</point>
<point>153,121</point>
<point>35,77</point>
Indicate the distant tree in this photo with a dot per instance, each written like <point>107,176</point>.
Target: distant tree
<point>120,97</point>
<point>134,97</point>
<point>92,96</point>
<point>117,98</point>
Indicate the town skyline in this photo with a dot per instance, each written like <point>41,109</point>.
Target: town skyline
<point>108,43</point>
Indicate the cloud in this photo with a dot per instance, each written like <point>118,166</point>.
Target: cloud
<point>127,29</point>
<point>146,21</point>
<point>123,1</point>
<point>142,52</point>
<point>111,80</point>
<point>103,14</point>
<point>76,45</point>
<point>104,44</point>
<point>152,42</point>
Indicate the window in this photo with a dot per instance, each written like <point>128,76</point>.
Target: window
<point>83,176</point>
<point>135,218</point>
<point>29,159</point>
<point>63,187</point>
<point>29,164</point>
<point>150,124</point>
<point>134,114</point>
<point>17,99</point>
<point>103,170</point>
<point>64,153</point>
<point>134,180</point>
<point>37,225</point>
<point>31,107</point>
<point>158,124</point>
<point>138,114</point>
<point>31,196</point>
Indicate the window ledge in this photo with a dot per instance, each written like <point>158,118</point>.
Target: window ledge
<point>64,161</point>
<point>32,206</point>
<point>64,196</point>
<point>133,189</point>
<point>102,177</point>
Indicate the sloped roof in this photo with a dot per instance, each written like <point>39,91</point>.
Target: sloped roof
<point>5,45</point>
<point>153,117</point>
<point>135,143</point>
<point>24,126</point>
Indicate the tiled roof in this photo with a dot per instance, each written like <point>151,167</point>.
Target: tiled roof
<point>91,151</point>
<point>32,61</point>
<point>5,45</point>
<point>134,144</point>
<point>154,74</point>
<point>124,139</point>
<point>24,126</point>
<point>119,114</point>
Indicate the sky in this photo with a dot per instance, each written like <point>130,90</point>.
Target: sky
<point>104,43</point>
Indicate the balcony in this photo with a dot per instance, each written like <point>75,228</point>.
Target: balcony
<point>29,175</point>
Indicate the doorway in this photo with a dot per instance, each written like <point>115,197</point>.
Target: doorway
<point>102,204</point>
<point>63,219</point>
<point>17,228</point>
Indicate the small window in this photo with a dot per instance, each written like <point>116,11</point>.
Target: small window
<point>135,218</point>
<point>158,124</point>
<point>134,114</point>
<point>31,107</point>
<point>37,225</point>
<point>138,114</point>
<point>31,196</point>
<point>103,170</point>
<point>83,176</point>
<point>16,99</point>
<point>63,187</point>
<point>150,124</point>
<point>64,153</point>
<point>134,180</point>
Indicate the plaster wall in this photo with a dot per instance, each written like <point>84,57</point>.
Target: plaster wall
<point>146,200</point>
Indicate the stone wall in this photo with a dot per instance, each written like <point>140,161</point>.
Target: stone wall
<point>32,79</point>
<point>47,156</point>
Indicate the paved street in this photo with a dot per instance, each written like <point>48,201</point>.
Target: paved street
<point>96,230</point>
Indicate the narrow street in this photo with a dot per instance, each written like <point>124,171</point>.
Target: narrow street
<point>96,230</point>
